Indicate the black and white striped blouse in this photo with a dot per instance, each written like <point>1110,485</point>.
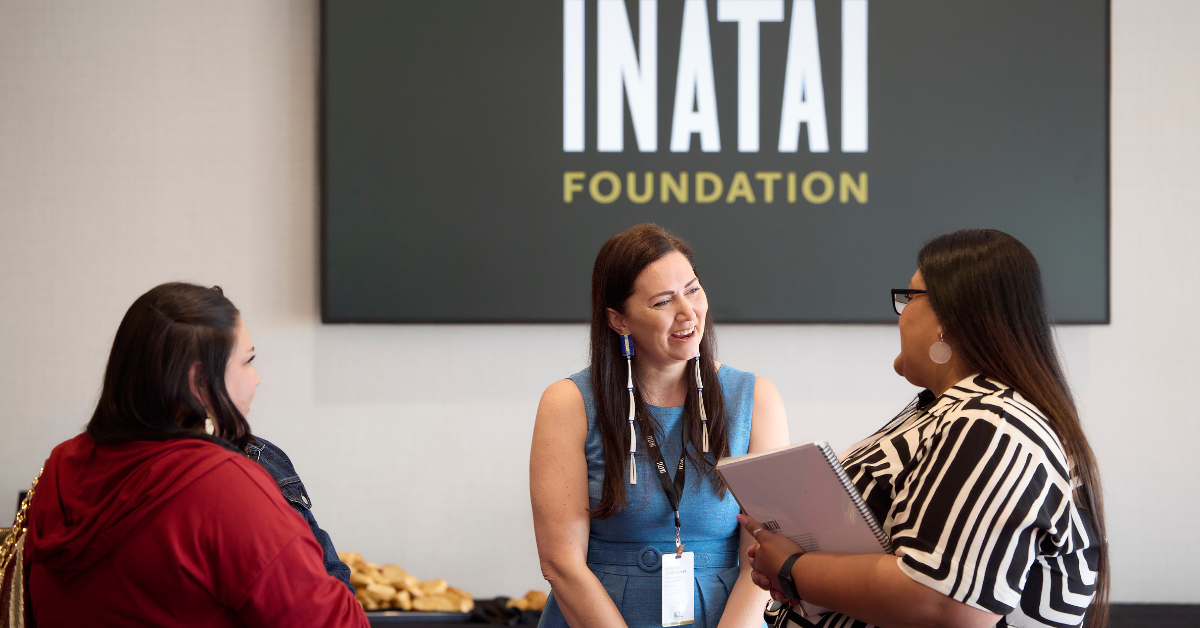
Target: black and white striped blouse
<point>975,491</point>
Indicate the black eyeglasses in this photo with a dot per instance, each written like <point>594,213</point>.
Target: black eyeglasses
<point>901,297</point>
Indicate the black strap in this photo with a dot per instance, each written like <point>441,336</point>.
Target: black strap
<point>674,490</point>
<point>786,584</point>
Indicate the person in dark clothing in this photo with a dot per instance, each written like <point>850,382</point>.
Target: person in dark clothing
<point>277,463</point>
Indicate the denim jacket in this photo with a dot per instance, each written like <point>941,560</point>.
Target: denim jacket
<point>280,467</point>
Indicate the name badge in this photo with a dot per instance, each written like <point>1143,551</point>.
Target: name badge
<point>678,590</point>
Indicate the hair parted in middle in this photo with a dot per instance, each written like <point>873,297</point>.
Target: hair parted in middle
<point>618,264</point>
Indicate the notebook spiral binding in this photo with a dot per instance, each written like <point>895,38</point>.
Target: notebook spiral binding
<point>880,535</point>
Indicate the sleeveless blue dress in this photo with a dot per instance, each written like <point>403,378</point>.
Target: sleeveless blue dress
<point>626,550</point>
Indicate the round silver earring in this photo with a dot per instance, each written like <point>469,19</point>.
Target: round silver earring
<point>939,351</point>
<point>209,427</point>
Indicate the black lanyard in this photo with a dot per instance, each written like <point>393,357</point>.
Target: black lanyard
<point>674,490</point>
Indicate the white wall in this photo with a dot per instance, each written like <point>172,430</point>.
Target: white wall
<point>142,142</point>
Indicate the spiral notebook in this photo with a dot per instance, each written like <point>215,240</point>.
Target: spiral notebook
<point>803,493</point>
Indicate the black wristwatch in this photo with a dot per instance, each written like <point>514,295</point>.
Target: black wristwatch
<point>786,584</point>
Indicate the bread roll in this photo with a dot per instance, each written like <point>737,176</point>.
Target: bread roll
<point>414,589</point>
<point>536,600</point>
<point>394,575</point>
<point>437,602</point>
<point>434,587</point>
<point>380,592</point>
<point>462,598</point>
<point>390,586</point>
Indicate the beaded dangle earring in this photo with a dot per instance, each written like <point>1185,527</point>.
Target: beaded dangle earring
<point>700,394</point>
<point>627,351</point>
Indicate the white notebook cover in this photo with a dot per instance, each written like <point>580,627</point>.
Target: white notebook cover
<point>801,492</point>
<point>796,492</point>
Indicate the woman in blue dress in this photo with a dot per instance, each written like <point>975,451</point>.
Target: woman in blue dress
<point>604,520</point>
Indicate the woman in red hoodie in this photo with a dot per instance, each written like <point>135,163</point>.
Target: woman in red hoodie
<point>153,516</point>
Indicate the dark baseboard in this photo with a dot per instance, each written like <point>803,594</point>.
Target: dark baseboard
<point>1154,615</point>
<point>1120,616</point>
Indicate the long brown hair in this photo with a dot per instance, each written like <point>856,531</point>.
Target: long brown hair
<point>146,394</point>
<point>986,289</point>
<point>617,267</point>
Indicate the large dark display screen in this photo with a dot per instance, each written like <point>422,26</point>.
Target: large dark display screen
<point>477,153</point>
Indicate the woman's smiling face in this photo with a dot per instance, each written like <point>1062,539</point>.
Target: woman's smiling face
<point>666,311</point>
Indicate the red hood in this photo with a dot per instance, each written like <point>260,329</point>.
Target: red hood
<point>90,497</point>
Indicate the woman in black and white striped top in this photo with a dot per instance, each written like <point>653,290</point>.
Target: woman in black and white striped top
<point>985,483</point>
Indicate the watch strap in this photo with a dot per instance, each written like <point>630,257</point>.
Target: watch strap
<point>786,584</point>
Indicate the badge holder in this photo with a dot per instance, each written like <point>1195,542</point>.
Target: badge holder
<point>678,571</point>
<point>678,585</point>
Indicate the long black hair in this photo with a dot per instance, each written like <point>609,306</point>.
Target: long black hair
<point>617,267</point>
<point>986,289</point>
<point>146,394</point>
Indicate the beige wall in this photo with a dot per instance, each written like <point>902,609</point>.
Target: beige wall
<point>149,141</point>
